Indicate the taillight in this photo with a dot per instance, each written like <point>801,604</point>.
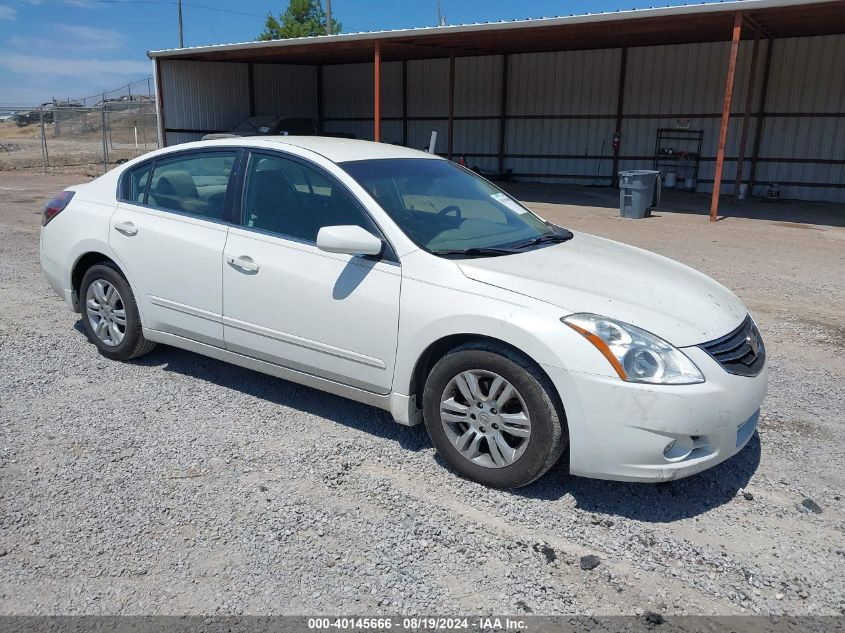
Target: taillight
<point>56,205</point>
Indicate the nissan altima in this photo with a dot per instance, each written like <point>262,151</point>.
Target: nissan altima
<point>399,279</point>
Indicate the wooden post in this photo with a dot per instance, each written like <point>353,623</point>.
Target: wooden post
<point>377,93</point>
<point>620,108</point>
<point>746,114</point>
<point>726,114</point>
<point>761,115</point>
<point>451,132</point>
<point>503,113</point>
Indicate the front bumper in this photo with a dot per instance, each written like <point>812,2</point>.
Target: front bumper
<point>620,430</point>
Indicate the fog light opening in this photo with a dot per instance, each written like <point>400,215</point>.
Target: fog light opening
<point>678,449</point>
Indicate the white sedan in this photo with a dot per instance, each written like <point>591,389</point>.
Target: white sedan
<point>404,281</point>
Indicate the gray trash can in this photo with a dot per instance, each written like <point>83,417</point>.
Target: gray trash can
<point>637,192</point>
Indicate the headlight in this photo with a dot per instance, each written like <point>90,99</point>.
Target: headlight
<point>636,355</point>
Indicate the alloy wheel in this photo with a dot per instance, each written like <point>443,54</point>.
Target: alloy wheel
<point>485,418</point>
<point>106,312</point>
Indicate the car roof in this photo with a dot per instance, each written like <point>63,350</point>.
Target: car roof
<point>337,150</point>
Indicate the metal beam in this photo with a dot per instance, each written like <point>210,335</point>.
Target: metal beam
<point>620,109</point>
<point>726,113</point>
<point>761,116</point>
<point>250,78</point>
<point>746,113</point>
<point>451,129</point>
<point>320,97</point>
<point>405,102</point>
<point>503,113</point>
<point>377,93</point>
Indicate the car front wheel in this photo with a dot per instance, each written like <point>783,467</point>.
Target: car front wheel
<point>492,416</point>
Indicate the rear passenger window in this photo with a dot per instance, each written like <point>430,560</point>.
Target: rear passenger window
<point>136,186</point>
<point>194,184</point>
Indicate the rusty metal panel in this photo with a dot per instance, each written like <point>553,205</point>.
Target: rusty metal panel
<point>204,95</point>
<point>285,90</point>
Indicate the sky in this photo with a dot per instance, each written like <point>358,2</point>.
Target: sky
<point>76,48</point>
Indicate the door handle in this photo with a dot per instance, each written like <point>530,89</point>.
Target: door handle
<point>244,263</point>
<point>127,228</point>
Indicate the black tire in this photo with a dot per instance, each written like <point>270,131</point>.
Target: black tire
<point>548,437</point>
<point>133,344</point>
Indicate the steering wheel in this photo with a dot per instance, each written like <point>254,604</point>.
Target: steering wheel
<point>450,209</point>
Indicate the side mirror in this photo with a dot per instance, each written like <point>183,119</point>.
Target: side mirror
<point>349,240</point>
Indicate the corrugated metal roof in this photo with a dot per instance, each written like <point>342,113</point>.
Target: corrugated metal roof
<point>787,23</point>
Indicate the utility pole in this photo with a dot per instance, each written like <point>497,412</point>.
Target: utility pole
<point>329,17</point>
<point>181,39</point>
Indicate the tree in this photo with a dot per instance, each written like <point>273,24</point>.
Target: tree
<point>302,18</point>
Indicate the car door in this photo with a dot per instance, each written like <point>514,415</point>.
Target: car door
<point>287,302</point>
<point>168,233</point>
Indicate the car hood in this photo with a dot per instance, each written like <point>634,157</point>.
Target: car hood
<point>593,274</point>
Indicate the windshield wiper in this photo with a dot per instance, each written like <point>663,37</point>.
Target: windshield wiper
<point>546,238</point>
<point>476,252</point>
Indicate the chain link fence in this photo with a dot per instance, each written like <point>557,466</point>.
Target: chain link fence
<point>75,134</point>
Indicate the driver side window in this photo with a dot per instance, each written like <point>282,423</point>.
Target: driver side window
<point>289,198</point>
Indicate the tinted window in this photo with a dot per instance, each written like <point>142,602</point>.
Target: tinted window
<point>135,185</point>
<point>194,184</point>
<point>292,199</point>
<point>443,207</point>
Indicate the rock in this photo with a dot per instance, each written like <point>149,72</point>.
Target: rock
<point>548,552</point>
<point>749,496</point>
<point>811,505</point>
<point>590,561</point>
<point>653,618</point>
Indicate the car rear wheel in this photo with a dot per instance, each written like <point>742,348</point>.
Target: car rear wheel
<point>492,416</point>
<point>110,315</point>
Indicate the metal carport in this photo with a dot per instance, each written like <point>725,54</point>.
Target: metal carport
<point>764,80</point>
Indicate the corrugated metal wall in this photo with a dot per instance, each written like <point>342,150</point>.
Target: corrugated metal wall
<point>285,90</point>
<point>215,96</point>
<point>807,76</point>
<point>548,87</point>
<point>561,108</point>
<point>202,96</point>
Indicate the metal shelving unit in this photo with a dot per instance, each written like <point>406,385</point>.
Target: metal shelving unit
<point>685,155</point>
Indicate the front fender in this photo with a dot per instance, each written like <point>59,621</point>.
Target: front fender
<point>430,312</point>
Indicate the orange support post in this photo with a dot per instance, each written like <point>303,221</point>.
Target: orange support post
<point>726,114</point>
<point>746,114</point>
<point>377,94</point>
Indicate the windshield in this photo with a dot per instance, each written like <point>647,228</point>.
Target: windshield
<point>446,209</point>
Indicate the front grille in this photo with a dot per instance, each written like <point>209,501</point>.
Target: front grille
<point>741,352</point>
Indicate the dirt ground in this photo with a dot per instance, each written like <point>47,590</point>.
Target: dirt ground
<point>173,485</point>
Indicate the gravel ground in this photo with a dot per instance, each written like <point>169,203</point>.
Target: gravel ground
<point>177,484</point>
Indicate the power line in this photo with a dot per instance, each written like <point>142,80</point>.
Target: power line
<point>187,4</point>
